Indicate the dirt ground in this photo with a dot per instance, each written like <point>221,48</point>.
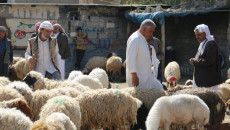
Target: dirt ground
<point>181,82</point>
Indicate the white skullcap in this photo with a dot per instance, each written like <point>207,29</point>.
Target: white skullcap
<point>204,28</point>
<point>46,25</point>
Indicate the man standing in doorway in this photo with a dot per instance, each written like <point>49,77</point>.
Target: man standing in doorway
<point>207,71</point>
<point>139,66</point>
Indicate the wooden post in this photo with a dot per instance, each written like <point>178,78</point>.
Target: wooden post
<point>163,48</point>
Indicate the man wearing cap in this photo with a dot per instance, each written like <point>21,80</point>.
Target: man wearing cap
<point>207,71</point>
<point>42,52</point>
<point>139,70</point>
<point>6,53</point>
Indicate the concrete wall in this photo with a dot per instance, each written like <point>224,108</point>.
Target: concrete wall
<point>105,27</point>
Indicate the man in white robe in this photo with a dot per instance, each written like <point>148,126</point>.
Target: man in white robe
<point>138,61</point>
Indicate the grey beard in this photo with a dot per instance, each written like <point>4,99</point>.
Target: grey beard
<point>44,37</point>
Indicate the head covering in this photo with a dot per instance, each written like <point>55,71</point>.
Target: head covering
<point>3,28</point>
<point>37,25</point>
<point>204,28</point>
<point>46,25</point>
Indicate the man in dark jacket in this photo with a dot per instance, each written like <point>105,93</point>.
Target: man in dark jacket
<point>6,52</point>
<point>63,46</point>
<point>207,71</point>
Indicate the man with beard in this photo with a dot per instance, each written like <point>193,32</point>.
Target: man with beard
<point>42,52</point>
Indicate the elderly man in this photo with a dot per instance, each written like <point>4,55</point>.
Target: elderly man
<point>42,52</point>
<point>6,53</point>
<point>139,72</point>
<point>207,71</point>
<point>63,47</point>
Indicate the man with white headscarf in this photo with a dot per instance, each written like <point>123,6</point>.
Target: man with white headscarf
<point>42,52</point>
<point>207,71</point>
<point>139,70</point>
<point>63,47</point>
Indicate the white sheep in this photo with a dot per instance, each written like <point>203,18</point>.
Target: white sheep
<point>21,87</point>
<point>55,121</point>
<point>183,109</point>
<point>172,74</point>
<point>9,93</point>
<point>12,119</point>
<point>109,108</point>
<point>101,75</point>
<point>113,67</point>
<point>19,70</point>
<point>224,91</point>
<point>86,80</point>
<point>4,81</point>
<point>16,59</point>
<point>64,104</point>
<point>74,74</point>
<point>227,81</point>
<point>36,80</point>
<point>95,62</point>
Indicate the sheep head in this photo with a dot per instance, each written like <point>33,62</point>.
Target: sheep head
<point>12,74</point>
<point>35,80</point>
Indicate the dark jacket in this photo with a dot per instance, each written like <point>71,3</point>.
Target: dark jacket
<point>63,46</point>
<point>9,52</point>
<point>207,66</point>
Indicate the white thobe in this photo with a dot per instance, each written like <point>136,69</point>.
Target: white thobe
<point>44,62</point>
<point>138,61</point>
<point>61,62</point>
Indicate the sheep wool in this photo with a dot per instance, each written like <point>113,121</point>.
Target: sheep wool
<point>224,91</point>
<point>147,96</point>
<point>36,80</point>
<point>4,81</point>
<point>64,104</point>
<point>55,121</point>
<point>86,80</point>
<point>16,59</point>
<point>12,119</point>
<point>107,108</point>
<point>95,62</point>
<point>114,64</point>
<point>74,74</point>
<point>179,109</point>
<point>213,101</point>
<point>172,74</point>
<point>19,104</point>
<point>21,87</point>
<point>19,70</point>
<point>8,94</point>
<point>101,75</point>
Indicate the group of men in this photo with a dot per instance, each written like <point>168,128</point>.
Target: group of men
<point>142,65</point>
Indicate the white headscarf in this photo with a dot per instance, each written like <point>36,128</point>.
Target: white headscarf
<point>204,28</point>
<point>46,25</point>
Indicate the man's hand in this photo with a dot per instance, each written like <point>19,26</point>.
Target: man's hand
<point>191,61</point>
<point>135,79</point>
<point>32,61</point>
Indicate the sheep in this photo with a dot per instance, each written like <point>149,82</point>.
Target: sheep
<point>19,70</point>
<point>211,98</point>
<point>113,67</point>
<point>36,80</point>
<point>172,74</point>
<point>55,121</point>
<point>74,74</point>
<point>188,82</point>
<point>4,81</point>
<point>95,62</point>
<point>16,59</point>
<point>227,81</point>
<point>21,87</point>
<point>12,119</point>
<point>8,94</point>
<point>39,98</point>
<point>101,75</point>
<point>182,109</point>
<point>107,108</point>
<point>64,104</point>
<point>224,91</point>
<point>19,104</point>
<point>148,97</point>
<point>86,80</point>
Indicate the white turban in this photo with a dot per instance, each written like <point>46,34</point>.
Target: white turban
<point>204,28</point>
<point>46,25</point>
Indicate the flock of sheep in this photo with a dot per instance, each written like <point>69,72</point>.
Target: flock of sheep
<point>28,101</point>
